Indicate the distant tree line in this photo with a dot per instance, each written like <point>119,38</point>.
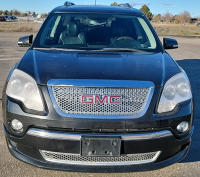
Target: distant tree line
<point>21,14</point>
<point>183,17</point>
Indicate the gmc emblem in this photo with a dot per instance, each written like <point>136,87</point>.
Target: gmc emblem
<point>90,99</point>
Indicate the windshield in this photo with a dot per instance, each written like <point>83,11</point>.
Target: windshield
<point>96,32</point>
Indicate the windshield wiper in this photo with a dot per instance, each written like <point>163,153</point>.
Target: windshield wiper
<point>121,49</point>
<point>92,49</point>
<point>53,48</point>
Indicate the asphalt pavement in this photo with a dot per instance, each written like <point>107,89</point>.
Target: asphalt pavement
<point>187,56</point>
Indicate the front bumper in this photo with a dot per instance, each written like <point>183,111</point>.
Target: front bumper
<point>54,133</point>
<point>28,148</point>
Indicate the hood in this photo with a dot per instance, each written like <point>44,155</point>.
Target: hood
<point>44,65</point>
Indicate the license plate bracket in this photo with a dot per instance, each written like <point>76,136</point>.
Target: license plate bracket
<point>100,146</point>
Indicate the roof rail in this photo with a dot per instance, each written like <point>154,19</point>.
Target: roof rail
<point>125,5</point>
<point>67,3</point>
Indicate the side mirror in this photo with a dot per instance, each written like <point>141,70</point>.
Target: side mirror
<point>169,43</point>
<point>25,41</point>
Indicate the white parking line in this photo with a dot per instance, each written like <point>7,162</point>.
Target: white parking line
<point>10,55</point>
<point>10,59</point>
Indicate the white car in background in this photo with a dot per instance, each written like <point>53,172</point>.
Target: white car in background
<point>38,21</point>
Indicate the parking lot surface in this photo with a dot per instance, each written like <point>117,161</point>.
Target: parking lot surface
<point>187,56</point>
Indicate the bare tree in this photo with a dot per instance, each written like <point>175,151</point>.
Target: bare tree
<point>184,17</point>
<point>167,17</point>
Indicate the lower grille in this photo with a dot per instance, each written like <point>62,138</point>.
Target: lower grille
<point>77,159</point>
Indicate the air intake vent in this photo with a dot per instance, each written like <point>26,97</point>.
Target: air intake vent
<point>77,159</point>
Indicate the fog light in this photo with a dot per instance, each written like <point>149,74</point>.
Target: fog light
<point>16,124</point>
<point>182,127</point>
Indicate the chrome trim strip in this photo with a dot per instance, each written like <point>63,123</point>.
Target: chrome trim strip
<point>100,83</point>
<point>147,136</point>
<point>77,137</point>
<point>100,163</point>
<point>53,135</point>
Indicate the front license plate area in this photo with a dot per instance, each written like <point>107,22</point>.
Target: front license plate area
<point>101,146</point>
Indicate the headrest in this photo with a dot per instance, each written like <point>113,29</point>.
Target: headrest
<point>66,21</point>
<point>114,23</point>
<point>117,22</point>
<point>118,28</point>
<point>73,29</point>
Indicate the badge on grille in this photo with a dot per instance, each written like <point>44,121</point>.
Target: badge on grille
<point>95,99</point>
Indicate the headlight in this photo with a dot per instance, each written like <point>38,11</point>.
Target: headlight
<point>176,90</point>
<point>23,87</point>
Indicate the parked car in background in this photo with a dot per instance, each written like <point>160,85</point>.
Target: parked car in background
<point>13,18</point>
<point>38,21</point>
<point>2,18</point>
<point>7,17</point>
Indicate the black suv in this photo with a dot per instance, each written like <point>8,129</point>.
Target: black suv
<point>96,91</point>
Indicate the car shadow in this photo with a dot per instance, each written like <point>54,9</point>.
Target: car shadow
<point>192,68</point>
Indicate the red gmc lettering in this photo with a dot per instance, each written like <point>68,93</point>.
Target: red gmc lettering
<point>90,99</point>
<point>115,102</point>
<point>87,99</point>
<point>105,98</point>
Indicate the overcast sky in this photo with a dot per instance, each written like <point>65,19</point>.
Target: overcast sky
<point>156,6</point>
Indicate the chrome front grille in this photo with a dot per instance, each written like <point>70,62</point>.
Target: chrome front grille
<point>69,158</point>
<point>132,100</point>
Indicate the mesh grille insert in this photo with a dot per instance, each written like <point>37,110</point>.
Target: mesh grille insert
<point>78,159</point>
<point>69,100</point>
